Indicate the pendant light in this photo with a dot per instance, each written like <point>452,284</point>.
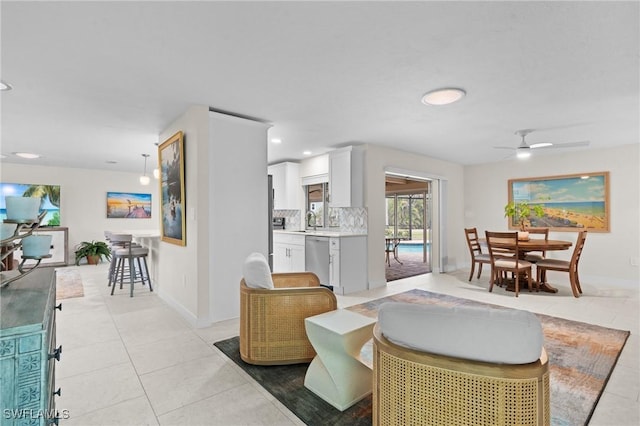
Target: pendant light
<point>144,179</point>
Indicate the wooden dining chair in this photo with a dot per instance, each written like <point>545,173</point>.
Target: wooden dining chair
<point>475,249</point>
<point>541,233</point>
<point>503,251</point>
<point>570,266</point>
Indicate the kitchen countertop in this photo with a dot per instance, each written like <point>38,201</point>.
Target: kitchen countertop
<point>319,233</point>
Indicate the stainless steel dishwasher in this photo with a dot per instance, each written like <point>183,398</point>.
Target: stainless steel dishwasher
<point>316,257</point>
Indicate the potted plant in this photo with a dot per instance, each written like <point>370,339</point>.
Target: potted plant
<point>94,251</point>
<point>521,211</point>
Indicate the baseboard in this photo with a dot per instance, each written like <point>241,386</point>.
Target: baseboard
<point>184,312</point>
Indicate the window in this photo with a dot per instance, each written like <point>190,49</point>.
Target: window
<point>317,206</point>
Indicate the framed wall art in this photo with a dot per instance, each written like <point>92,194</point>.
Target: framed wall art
<point>172,194</point>
<point>570,202</point>
<point>49,195</point>
<point>128,205</point>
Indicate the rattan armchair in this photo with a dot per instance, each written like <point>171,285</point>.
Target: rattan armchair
<point>272,330</point>
<point>420,388</point>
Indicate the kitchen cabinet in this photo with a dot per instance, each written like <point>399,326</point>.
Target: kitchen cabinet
<point>348,264</point>
<point>288,252</point>
<point>28,351</point>
<point>287,189</point>
<point>346,177</point>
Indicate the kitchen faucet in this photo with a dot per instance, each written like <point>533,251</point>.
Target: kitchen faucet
<point>311,214</point>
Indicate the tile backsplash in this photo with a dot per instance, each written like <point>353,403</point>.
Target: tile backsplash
<point>291,218</point>
<point>342,219</point>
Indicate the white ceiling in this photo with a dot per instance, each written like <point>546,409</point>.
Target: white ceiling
<point>98,81</point>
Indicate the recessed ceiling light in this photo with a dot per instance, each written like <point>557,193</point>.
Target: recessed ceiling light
<point>5,86</point>
<point>307,152</point>
<point>26,155</point>
<point>444,96</point>
<point>276,140</point>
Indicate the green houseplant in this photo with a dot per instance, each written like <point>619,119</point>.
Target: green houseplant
<point>94,251</point>
<point>521,211</point>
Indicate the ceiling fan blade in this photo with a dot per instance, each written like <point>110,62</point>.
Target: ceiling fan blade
<point>541,145</point>
<point>570,144</point>
<point>505,147</point>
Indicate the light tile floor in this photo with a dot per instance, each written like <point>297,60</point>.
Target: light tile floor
<point>135,361</point>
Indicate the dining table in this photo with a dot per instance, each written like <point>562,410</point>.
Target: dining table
<point>532,244</point>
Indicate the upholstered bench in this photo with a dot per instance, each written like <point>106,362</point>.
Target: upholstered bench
<point>435,365</point>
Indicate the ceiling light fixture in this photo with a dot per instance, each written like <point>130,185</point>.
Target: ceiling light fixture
<point>5,86</point>
<point>28,155</point>
<point>307,153</point>
<point>443,96</point>
<point>523,153</point>
<point>144,179</point>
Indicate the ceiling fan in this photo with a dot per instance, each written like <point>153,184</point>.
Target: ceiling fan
<point>524,149</point>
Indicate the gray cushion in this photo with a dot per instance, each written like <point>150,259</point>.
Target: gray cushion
<point>483,257</point>
<point>135,251</point>
<point>256,272</point>
<point>505,336</point>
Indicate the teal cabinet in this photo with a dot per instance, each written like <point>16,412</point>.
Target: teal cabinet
<point>28,351</point>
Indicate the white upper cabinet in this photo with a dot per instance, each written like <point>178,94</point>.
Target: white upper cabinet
<point>346,170</point>
<point>287,190</point>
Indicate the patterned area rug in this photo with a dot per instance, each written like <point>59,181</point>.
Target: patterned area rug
<point>68,284</point>
<point>581,357</point>
<point>412,265</point>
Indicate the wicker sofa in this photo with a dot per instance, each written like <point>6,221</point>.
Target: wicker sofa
<point>272,328</point>
<point>411,386</point>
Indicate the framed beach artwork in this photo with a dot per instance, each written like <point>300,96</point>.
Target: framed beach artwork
<point>570,202</point>
<point>172,195</point>
<point>127,205</point>
<point>49,199</point>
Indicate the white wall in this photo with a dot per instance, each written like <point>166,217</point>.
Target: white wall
<point>606,256</point>
<point>238,206</point>
<point>83,198</point>
<point>380,159</point>
<point>226,214</point>
<point>182,276</point>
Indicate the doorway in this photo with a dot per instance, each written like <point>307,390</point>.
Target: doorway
<point>408,207</point>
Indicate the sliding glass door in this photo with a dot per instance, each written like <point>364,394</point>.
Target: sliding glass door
<point>408,216</point>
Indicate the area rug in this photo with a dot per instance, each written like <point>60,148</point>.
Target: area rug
<point>581,358</point>
<point>411,266</point>
<point>68,284</point>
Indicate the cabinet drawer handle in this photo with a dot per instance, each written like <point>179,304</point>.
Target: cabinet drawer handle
<point>58,392</point>
<point>56,353</point>
<point>59,307</point>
